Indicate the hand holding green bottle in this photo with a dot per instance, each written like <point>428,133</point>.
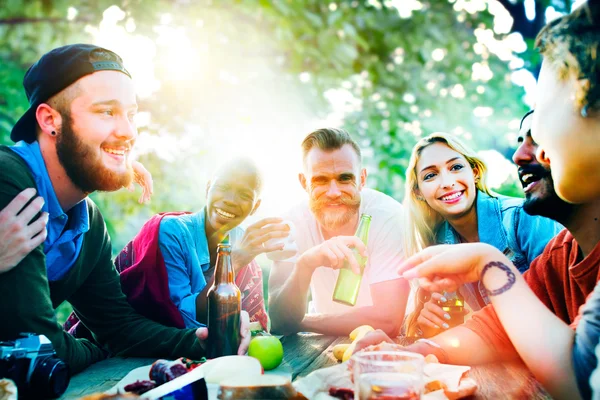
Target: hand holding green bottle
<point>348,283</point>
<point>334,253</point>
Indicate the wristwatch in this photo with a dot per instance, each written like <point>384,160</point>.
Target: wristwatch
<point>427,346</point>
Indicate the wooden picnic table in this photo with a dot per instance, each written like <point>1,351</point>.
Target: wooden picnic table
<point>307,352</point>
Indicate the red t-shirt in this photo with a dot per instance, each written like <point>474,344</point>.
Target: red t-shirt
<point>558,277</point>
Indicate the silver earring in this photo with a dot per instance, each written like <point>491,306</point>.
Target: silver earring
<point>584,111</point>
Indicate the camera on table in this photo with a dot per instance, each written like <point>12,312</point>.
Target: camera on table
<point>31,362</point>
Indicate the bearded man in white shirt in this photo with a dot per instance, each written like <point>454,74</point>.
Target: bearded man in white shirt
<point>325,223</point>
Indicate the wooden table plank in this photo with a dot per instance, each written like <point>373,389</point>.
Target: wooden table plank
<point>302,349</point>
<point>506,381</point>
<point>299,353</point>
<point>325,359</point>
<point>102,376</point>
<point>307,352</point>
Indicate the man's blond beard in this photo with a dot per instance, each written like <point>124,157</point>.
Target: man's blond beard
<point>332,221</point>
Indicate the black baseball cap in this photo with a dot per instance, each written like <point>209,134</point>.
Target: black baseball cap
<point>55,71</point>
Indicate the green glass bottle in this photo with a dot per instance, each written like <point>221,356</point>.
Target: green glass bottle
<point>348,282</point>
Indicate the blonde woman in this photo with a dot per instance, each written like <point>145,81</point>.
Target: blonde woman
<point>447,202</point>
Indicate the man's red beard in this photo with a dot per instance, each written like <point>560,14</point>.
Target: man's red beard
<point>333,219</point>
<point>83,163</point>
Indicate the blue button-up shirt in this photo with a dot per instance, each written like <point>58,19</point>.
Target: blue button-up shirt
<point>65,231</point>
<point>184,247</point>
<point>502,223</point>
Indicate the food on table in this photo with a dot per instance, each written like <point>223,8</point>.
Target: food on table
<point>433,386</point>
<point>317,384</point>
<point>256,328</point>
<point>341,393</point>
<point>8,389</point>
<point>357,331</point>
<point>104,396</point>
<point>386,386</point>
<point>192,364</point>
<point>437,395</point>
<point>383,346</point>
<point>266,349</point>
<point>431,358</point>
<point>261,387</point>
<point>188,386</point>
<point>467,387</point>
<point>450,380</point>
<point>163,371</point>
<point>356,335</point>
<point>222,368</point>
<point>140,387</point>
<point>339,350</point>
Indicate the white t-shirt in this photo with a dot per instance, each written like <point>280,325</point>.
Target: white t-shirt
<point>384,249</point>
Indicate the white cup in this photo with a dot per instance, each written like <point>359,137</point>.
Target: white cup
<point>289,245</point>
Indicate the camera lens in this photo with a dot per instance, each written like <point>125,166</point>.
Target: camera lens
<point>50,378</point>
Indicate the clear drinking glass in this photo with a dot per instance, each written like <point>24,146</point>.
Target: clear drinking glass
<point>388,375</point>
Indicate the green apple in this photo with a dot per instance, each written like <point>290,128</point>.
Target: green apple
<point>266,349</point>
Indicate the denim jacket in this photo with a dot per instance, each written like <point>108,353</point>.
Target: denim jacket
<point>184,247</point>
<point>502,223</point>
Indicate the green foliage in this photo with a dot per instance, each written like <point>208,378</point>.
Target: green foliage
<point>512,187</point>
<point>365,48</point>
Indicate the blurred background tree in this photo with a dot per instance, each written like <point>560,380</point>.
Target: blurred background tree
<point>220,78</point>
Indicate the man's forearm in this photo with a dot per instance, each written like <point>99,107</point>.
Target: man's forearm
<point>287,305</point>
<point>532,328</point>
<point>343,324</point>
<point>461,346</point>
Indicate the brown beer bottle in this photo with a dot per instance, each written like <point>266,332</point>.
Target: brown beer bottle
<point>224,307</point>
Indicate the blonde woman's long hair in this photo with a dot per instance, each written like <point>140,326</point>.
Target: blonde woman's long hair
<point>422,222</point>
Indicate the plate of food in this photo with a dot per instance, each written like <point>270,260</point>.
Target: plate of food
<point>224,377</point>
<point>441,381</point>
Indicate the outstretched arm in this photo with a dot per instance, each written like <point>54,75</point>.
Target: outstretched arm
<point>543,341</point>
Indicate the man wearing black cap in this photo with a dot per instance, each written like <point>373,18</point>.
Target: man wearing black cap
<point>75,139</point>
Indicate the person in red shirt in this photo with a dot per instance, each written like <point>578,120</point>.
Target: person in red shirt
<point>562,276</point>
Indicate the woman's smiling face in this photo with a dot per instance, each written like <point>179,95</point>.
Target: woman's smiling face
<point>446,181</point>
